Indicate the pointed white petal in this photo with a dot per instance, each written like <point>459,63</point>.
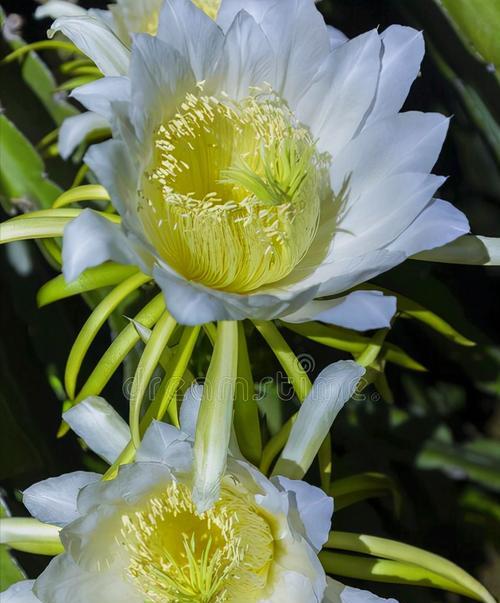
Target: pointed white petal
<point>193,34</point>
<point>407,142</point>
<point>160,78</point>
<point>342,91</point>
<point>190,408</point>
<point>75,129</point>
<point>59,8</point>
<point>314,508</point>
<point>21,592</point>
<point>90,240</point>
<point>98,96</point>
<point>54,500</point>
<point>64,581</point>
<point>437,225</point>
<point>333,387</point>
<point>383,212</point>
<point>95,40</point>
<point>338,593</point>
<point>337,37</point>
<point>247,59</point>
<point>470,249</point>
<point>360,310</point>
<point>100,426</point>
<point>163,443</point>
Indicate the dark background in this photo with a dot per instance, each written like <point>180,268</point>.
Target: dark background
<point>423,440</point>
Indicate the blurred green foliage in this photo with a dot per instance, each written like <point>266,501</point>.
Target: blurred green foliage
<point>438,441</point>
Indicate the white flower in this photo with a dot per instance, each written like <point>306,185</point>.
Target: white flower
<point>257,169</point>
<point>139,539</point>
<point>123,18</point>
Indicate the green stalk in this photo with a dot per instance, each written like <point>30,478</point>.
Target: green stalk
<point>213,429</point>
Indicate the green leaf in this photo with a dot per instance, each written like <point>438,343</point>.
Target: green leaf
<point>401,552</point>
<point>392,572</point>
<point>94,323</point>
<point>355,488</point>
<point>477,23</point>
<point>39,78</point>
<point>22,172</point>
<point>105,275</point>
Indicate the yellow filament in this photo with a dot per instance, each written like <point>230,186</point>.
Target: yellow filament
<point>232,195</point>
<point>178,556</point>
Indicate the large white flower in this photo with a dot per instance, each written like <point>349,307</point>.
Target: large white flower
<point>258,165</point>
<point>139,538</point>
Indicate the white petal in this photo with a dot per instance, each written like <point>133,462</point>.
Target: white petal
<point>191,303</point>
<point>292,587</point>
<point>190,408</point>
<point>95,40</point>
<point>403,51</point>
<point>407,142</point>
<point>471,249</point>
<point>90,240</point>
<point>437,225</point>
<point>360,310</point>
<point>193,34</point>
<point>338,593</point>
<point>336,37</point>
<point>75,129</point>
<point>230,8</point>
<point>314,508</point>
<point>300,41</point>
<point>247,57</point>
<point>21,592</point>
<point>160,78</point>
<point>54,500</point>
<point>342,91</point>
<point>64,581</point>
<point>383,212</point>
<point>98,96</point>
<point>100,426</point>
<point>333,387</point>
<point>163,443</point>
<point>59,8</point>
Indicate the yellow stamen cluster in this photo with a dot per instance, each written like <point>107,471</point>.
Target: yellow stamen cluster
<point>180,556</point>
<point>211,7</point>
<point>231,197</point>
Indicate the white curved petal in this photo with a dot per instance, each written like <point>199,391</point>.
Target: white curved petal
<point>21,592</point>
<point>360,310</point>
<point>382,212</point>
<point>403,51</point>
<point>193,34</point>
<point>100,426</point>
<point>190,409</point>
<point>89,240</point>
<point>160,78</point>
<point>163,443</point>
<point>314,508</point>
<point>298,36</point>
<point>438,224</point>
<point>337,37</point>
<point>59,8</point>
<point>338,593</point>
<point>342,91</point>
<point>471,249</point>
<point>75,129</point>
<point>64,581</point>
<point>292,587</point>
<point>95,40</point>
<point>191,303</point>
<point>54,500</point>
<point>230,8</point>
<point>406,142</point>
<point>247,58</point>
<point>333,387</point>
<point>97,96</point>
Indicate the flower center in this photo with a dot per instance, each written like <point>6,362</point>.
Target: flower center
<point>179,556</point>
<point>231,197</point>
